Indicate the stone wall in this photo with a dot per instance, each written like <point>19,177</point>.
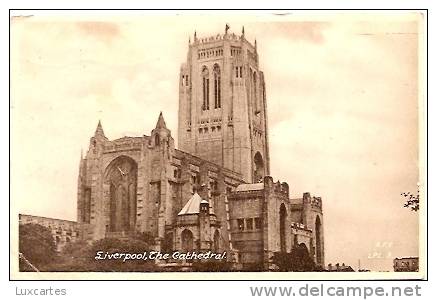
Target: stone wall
<point>63,231</point>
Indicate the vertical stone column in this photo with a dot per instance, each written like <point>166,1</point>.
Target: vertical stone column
<point>204,227</point>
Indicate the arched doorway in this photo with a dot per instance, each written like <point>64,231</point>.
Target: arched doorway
<point>187,240</point>
<point>303,251</point>
<point>318,241</point>
<point>282,227</point>
<point>259,167</point>
<point>216,241</point>
<point>121,175</point>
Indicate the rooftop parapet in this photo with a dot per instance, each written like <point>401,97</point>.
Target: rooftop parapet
<point>220,37</point>
<point>278,187</point>
<point>315,202</point>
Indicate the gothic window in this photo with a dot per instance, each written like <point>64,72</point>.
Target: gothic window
<point>318,241</point>
<point>217,87</point>
<point>122,180</point>
<point>216,241</point>
<point>255,97</point>
<point>249,224</point>
<point>86,209</point>
<point>187,240</point>
<point>205,85</point>
<point>239,72</point>
<point>240,224</point>
<point>259,167</point>
<point>186,80</point>
<point>156,140</point>
<point>282,226</point>
<point>213,188</point>
<point>257,223</point>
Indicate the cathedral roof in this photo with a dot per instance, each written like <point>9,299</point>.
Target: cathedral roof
<point>250,187</point>
<point>192,206</point>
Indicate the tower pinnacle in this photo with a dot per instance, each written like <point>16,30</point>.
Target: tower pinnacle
<point>161,123</point>
<point>99,131</point>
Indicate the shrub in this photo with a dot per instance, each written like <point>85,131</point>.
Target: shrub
<point>37,245</point>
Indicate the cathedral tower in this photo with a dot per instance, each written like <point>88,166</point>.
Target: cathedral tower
<point>222,105</point>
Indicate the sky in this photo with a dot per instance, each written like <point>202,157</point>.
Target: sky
<point>342,96</point>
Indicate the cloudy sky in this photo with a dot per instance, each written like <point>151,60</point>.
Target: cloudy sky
<point>342,105</point>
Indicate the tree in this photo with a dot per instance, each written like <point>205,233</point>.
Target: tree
<point>412,200</point>
<point>299,260</point>
<point>36,246</point>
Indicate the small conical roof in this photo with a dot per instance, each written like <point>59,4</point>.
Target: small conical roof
<point>161,122</point>
<point>192,206</point>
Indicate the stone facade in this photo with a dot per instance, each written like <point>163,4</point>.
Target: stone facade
<point>140,184</point>
<point>222,105</point>
<point>213,194</point>
<point>264,220</point>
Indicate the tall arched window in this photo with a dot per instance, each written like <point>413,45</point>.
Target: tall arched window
<point>318,241</point>
<point>121,178</point>
<point>217,87</point>
<point>205,84</point>
<point>259,167</point>
<point>187,240</point>
<point>216,241</point>
<point>282,227</point>
<point>255,96</point>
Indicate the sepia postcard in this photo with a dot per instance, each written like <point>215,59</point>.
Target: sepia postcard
<point>218,145</point>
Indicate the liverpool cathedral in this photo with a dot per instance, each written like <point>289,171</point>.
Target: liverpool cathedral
<point>215,191</point>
